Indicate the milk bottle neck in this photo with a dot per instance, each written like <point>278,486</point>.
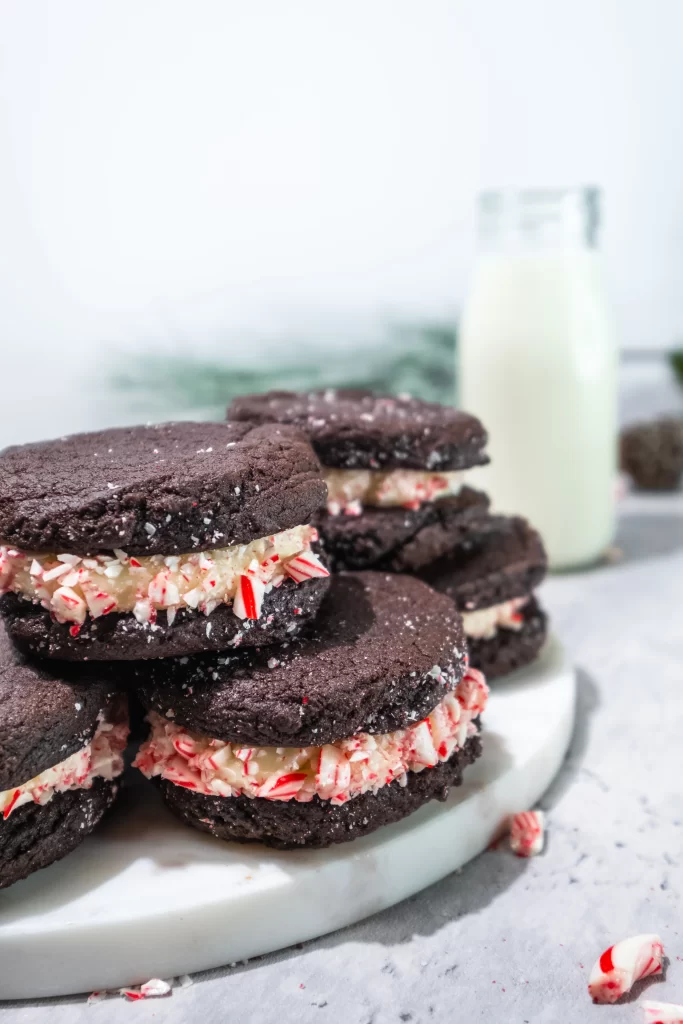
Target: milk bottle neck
<point>535,221</point>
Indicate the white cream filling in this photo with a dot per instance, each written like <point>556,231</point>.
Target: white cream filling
<point>484,623</point>
<point>348,490</point>
<point>336,772</point>
<point>100,759</point>
<point>73,587</point>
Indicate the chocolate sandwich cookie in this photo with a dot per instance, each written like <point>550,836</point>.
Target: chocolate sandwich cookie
<point>357,429</point>
<point>341,731</point>
<point>147,542</point>
<point>399,539</point>
<point>491,574</point>
<point>393,468</point>
<point>61,744</point>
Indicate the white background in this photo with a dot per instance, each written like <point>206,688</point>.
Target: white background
<point>173,172</point>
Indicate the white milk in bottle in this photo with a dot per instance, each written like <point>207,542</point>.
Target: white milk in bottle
<point>537,362</point>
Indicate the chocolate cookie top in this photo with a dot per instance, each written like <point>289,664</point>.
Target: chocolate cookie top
<point>361,430</point>
<point>385,651</point>
<point>44,717</point>
<point>495,559</point>
<point>167,489</point>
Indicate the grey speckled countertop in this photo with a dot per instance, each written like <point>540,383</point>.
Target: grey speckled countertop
<point>504,939</point>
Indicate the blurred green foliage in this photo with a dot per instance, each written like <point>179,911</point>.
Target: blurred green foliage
<point>676,358</point>
<point>415,358</point>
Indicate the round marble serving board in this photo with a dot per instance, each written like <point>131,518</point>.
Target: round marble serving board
<point>148,897</point>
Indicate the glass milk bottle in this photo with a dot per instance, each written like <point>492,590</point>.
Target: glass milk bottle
<point>538,364</point>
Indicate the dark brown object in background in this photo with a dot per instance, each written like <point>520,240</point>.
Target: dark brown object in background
<point>652,454</point>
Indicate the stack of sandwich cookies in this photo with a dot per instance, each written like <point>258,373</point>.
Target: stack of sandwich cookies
<point>354,726</point>
<point>393,469</point>
<point>491,575</point>
<point>139,543</point>
<point>156,541</point>
<point>397,502</point>
<point>61,744</point>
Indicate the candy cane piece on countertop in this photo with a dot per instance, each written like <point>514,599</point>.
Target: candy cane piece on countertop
<point>620,966</point>
<point>155,987</point>
<point>663,1013</point>
<point>150,990</point>
<point>527,833</point>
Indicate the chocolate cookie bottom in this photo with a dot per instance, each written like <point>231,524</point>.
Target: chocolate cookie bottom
<point>120,637</point>
<point>510,649</point>
<point>288,824</point>
<point>34,836</point>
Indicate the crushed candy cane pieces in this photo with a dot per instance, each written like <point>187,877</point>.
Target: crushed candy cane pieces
<point>336,772</point>
<point>152,989</point>
<point>620,966</point>
<point>527,833</point>
<point>71,587</point>
<point>305,567</point>
<point>155,987</point>
<point>149,990</point>
<point>663,1013</point>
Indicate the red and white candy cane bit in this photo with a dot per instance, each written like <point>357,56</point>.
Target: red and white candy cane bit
<point>99,602</point>
<point>333,776</point>
<point>527,832</point>
<point>663,1013</point>
<point>249,598</point>
<point>265,568</point>
<point>472,691</point>
<point>422,750</point>
<point>620,966</point>
<point>155,987</point>
<point>13,799</point>
<point>6,568</point>
<point>305,567</point>
<point>162,590</point>
<point>150,990</point>
<point>131,993</point>
<point>68,605</point>
<point>282,785</point>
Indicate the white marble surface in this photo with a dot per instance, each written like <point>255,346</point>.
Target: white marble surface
<point>508,940</point>
<point>110,909</point>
